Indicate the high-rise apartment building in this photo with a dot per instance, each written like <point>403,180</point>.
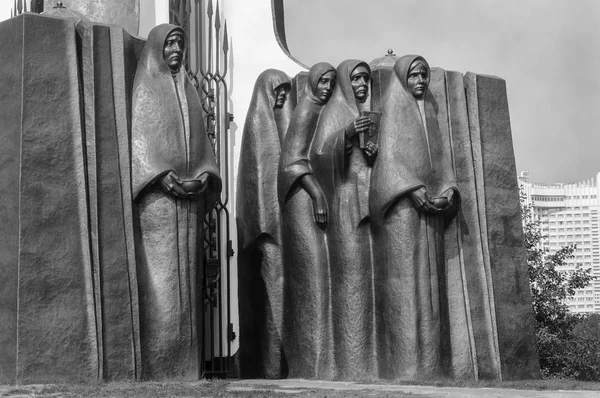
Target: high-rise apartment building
<point>568,214</point>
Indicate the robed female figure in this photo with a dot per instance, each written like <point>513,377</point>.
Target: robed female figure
<point>413,191</point>
<point>260,262</point>
<point>175,180</point>
<point>343,167</point>
<point>306,318</point>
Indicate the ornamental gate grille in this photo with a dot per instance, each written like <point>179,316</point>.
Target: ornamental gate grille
<point>207,66</point>
<point>20,6</point>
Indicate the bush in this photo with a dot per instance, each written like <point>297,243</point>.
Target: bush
<point>568,344</point>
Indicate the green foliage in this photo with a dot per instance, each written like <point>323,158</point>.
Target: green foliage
<point>568,344</point>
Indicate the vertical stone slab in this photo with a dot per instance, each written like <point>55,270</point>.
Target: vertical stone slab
<point>461,356</point>
<point>470,247</point>
<point>57,340</point>
<point>11,48</point>
<point>108,175</point>
<point>86,57</point>
<point>489,120</point>
<point>125,50</point>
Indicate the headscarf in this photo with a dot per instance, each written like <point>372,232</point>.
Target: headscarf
<point>167,129</point>
<point>340,111</point>
<point>409,156</point>
<point>257,205</point>
<point>315,73</point>
<point>295,151</point>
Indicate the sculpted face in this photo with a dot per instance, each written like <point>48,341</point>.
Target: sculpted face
<point>418,79</point>
<point>173,51</point>
<point>281,95</point>
<point>325,86</point>
<point>359,78</point>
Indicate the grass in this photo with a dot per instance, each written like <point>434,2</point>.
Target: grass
<point>550,384</point>
<point>212,388</point>
<point>224,388</point>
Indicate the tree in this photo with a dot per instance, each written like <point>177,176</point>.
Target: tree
<point>566,349</point>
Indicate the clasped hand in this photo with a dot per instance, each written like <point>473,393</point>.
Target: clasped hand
<point>423,202</point>
<point>176,187</point>
<point>361,125</point>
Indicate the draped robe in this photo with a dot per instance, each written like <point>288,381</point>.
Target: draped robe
<point>306,319</point>
<point>412,315</point>
<point>168,135</point>
<point>345,176</point>
<point>260,262</point>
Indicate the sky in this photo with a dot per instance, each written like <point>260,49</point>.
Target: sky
<point>5,6</point>
<point>548,51</point>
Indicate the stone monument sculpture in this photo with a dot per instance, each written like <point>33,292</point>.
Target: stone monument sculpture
<point>260,263</point>
<point>306,318</point>
<point>175,180</point>
<point>342,167</point>
<point>359,257</point>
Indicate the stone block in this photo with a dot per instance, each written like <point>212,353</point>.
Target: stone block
<point>68,295</point>
<point>11,48</point>
<point>56,336</point>
<point>498,192</point>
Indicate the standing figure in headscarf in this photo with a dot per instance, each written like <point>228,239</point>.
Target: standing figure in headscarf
<point>343,168</point>
<point>260,262</point>
<point>413,191</point>
<point>175,181</point>
<point>306,318</point>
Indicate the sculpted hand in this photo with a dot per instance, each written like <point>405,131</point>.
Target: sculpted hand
<point>449,193</point>
<point>450,211</point>
<point>421,201</point>
<point>359,125</point>
<point>171,184</point>
<point>312,187</point>
<point>196,186</point>
<point>371,152</point>
<point>320,210</point>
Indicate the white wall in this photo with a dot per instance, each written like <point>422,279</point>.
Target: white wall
<point>254,48</point>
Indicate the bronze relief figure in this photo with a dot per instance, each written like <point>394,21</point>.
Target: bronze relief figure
<point>343,168</point>
<point>412,190</point>
<point>175,181</point>
<point>260,263</point>
<point>306,320</point>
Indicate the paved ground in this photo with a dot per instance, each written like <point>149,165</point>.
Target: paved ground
<point>296,387</point>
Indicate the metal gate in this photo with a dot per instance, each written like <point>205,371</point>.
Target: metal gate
<point>207,66</point>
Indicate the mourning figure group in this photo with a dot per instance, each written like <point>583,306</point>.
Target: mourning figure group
<point>343,199</point>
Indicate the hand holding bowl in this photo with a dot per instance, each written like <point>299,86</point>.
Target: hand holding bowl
<point>440,202</point>
<point>192,186</point>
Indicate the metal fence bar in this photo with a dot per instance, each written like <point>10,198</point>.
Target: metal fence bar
<point>210,54</point>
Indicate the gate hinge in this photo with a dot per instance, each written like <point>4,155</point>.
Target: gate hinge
<point>230,251</point>
<point>231,333</point>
